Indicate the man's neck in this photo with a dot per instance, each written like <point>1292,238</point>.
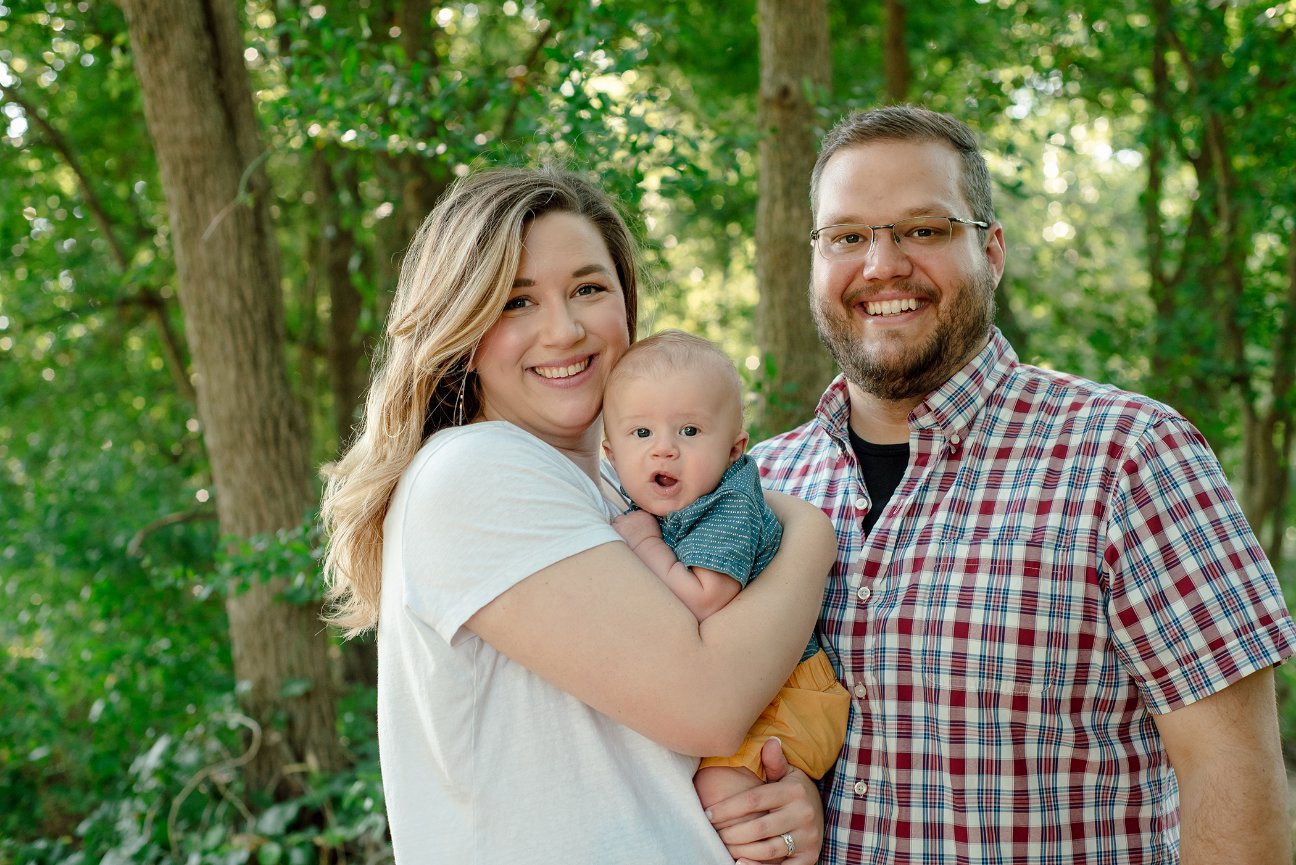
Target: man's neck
<point>879,421</point>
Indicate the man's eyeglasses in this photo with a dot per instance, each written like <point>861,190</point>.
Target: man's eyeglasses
<point>921,235</point>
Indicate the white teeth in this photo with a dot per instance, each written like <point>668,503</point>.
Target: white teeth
<point>561,371</point>
<point>891,307</point>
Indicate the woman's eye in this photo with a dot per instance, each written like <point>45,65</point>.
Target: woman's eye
<point>589,288</point>
<point>641,433</point>
<point>516,303</point>
<point>689,431</point>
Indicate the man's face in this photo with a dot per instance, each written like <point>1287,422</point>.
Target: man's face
<point>901,324</point>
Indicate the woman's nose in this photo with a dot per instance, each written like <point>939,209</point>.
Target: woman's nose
<point>562,327</point>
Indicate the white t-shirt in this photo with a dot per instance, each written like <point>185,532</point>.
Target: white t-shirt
<point>482,761</point>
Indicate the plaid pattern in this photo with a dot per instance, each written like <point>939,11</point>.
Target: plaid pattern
<point>1060,559</point>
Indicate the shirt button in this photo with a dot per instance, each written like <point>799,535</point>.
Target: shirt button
<point>861,504</point>
<point>954,440</point>
<point>863,594</point>
<point>860,690</point>
<point>860,788</point>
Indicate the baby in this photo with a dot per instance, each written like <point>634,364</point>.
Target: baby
<point>673,430</point>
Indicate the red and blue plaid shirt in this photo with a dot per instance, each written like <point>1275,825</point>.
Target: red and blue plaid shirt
<point>1061,560</point>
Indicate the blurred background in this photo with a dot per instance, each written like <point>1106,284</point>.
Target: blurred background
<point>218,193</point>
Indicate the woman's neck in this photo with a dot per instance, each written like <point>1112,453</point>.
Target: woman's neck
<point>585,451</point>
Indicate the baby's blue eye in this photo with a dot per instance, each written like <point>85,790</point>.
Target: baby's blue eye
<point>689,431</point>
<point>641,433</point>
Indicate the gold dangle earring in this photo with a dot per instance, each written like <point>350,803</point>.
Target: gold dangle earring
<point>463,387</point>
<point>459,402</point>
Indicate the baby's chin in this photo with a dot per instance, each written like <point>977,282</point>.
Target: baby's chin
<point>657,510</point>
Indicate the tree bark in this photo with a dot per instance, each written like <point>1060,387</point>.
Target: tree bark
<point>1212,274</point>
<point>337,249</point>
<point>197,101</point>
<point>895,55</point>
<point>1160,285</point>
<point>795,66</point>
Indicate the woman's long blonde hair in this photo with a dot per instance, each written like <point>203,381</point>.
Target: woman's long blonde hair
<point>454,282</point>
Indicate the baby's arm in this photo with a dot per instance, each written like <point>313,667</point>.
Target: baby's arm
<point>702,590</point>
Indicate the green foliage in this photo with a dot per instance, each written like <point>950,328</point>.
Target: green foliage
<point>120,731</point>
<point>291,555</point>
<point>181,801</point>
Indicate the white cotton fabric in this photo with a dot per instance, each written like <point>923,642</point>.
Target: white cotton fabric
<point>482,761</point>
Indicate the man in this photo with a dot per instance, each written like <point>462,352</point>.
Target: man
<point>1056,625</point>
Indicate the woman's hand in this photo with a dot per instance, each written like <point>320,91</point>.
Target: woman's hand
<point>786,806</point>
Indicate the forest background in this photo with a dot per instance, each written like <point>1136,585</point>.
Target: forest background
<point>202,206</point>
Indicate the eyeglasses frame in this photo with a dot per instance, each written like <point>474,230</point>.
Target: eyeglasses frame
<point>873,229</point>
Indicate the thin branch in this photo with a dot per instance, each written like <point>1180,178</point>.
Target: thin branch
<point>209,772</point>
<point>196,515</point>
<point>61,146</point>
<point>241,195</point>
<point>171,343</point>
<point>561,17</point>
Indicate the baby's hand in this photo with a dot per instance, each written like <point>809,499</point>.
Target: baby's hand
<point>637,527</point>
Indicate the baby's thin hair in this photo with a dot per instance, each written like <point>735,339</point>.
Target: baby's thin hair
<point>674,351</point>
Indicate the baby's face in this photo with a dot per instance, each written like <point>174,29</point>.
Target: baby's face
<point>671,438</point>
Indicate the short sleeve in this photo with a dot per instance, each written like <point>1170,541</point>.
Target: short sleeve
<point>482,511</point>
<point>1194,604</point>
<point>722,536</point>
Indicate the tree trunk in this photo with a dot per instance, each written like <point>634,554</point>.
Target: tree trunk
<point>197,101</point>
<point>1160,287</point>
<point>1268,459</point>
<point>1212,274</point>
<point>795,68</point>
<point>895,55</point>
<point>337,249</point>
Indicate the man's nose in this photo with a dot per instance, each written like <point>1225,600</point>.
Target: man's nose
<point>885,259</point>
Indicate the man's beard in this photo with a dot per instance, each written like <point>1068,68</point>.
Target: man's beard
<point>911,372</point>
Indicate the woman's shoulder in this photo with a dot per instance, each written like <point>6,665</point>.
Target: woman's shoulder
<point>498,443</point>
<point>487,455</point>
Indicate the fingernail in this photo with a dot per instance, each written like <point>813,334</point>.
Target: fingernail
<point>708,814</point>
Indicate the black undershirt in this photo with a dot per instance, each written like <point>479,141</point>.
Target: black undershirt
<point>882,467</point>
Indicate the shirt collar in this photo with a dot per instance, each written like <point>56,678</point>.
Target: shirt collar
<point>950,408</point>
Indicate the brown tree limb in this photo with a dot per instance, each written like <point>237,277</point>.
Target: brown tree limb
<point>147,297</point>
<point>895,55</point>
<point>561,16</point>
<point>64,150</point>
<point>191,516</point>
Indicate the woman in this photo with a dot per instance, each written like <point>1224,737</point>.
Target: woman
<point>538,687</point>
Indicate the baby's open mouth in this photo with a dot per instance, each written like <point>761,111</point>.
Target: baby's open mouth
<point>664,481</point>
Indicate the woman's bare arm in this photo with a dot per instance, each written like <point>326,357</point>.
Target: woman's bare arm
<point>601,627</point>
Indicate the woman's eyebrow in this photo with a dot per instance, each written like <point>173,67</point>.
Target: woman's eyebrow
<point>521,282</point>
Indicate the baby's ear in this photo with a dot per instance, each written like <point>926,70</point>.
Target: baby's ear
<point>739,448</point>
<point>607,452</point>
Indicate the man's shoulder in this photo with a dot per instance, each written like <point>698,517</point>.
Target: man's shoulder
<point>792,444</point>
<point>1038,392</point>
<point>798,459</point>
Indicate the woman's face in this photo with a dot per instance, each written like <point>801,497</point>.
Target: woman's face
<point>543,364</point>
